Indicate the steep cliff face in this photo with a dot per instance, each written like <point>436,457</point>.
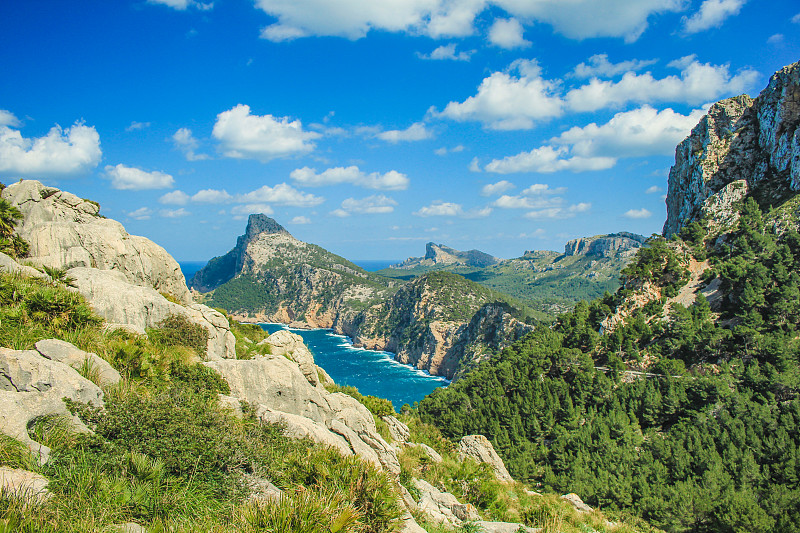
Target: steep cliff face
<point>741,145</point>
<point>441,255</point>
<point>621,244</point>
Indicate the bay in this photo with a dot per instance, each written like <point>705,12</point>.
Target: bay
<point>372,372</point>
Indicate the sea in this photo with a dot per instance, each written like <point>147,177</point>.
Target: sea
<point>373,373</point>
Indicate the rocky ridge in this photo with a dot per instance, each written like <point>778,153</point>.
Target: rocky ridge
<point>439,255</point>
<point>741,145</point>
<point>621,244</point>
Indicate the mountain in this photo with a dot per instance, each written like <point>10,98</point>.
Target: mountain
<point>438,323</point>
<point>676,399</point>
<point>440,255</point>
<point>549,281</point>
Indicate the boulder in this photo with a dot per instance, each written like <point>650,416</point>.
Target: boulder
<point>284,342</point>
<point>7,264</point>
<point>443,507</point>
<point>32,386</point>
<point>280,389</point>
<point>65,231</point>
<point>23,485</point>
<point>432,454</point>
<point>64,352</point>
<point>479,448</point>
<point>577,503</point>
<point>120,302</point>
<point>397,430</point>
<point>301,427</point>
<point>505,527</point>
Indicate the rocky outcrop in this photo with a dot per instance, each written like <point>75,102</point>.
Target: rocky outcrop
<point>69,354</point>
<point>7,264</point>
<point>138,308</point>
<point>621,244</point>
<point>398,431</point>
<point>443,507</point>
<point>32,386</point>
<point>741,145</point>
<point>481,450</point>
<point>65,231</point>
<point>283,394</point>
<point>28,487</point>
<point>440,255</point>
<point>284,342</point>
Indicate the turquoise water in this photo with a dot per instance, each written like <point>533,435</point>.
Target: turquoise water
<point>372,373</point>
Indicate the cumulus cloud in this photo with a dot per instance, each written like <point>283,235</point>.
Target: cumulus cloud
<point>653,189</point>
<point>640,132</point>
<point>371,205</point>
<point>508,34</point>
<point>444,150</point>
<point>492,189</point>
<point>143,213</point>
<point>212,196</point>
<point>137,126</point>
<point>389,181</point>
<point>135,179</point>
<point>175,198</point>
<point>300,219</point>
<point>547,159</point>
<point>440,209</point>
<point>598,66</point>
<point>638,213</point>
<point>776,38</point>
<point>515,99</point>
<point>281,194</point>
<point>183,5</point>
<point>712,14</point>
<point>796,19</point>
<point>261,137</point>
<point>415,132</point>
<point>251,209</point>
<point>353,19</point>
<point>448,52</point>
<point>174,213</point>
<point>186,143</point>
<point>7,118</point>
<point>76,149</point>
<point>698,83</point>
<point>559,212</point>
<point>526,202</point>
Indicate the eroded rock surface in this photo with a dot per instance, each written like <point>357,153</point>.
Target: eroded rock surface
<point>69,354</point>
<point>480,448</point>
<point>24,485</point>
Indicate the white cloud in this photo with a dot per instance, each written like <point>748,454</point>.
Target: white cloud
<point>353,19</point>
<point>547,159</point>
<point>500,187</point>
<point>250,209</point>
<point>653,189</point>
<point>599,66</point>
<point>508,34</point>
<point>697,83</point>
<point>415,132</point>
<point>261,137</point>
<point>137,126</point>
<point>638,213</point>
<point>796,19</point>
<point>174,213</point>
<point>186,143</point>
<point>300,219</point>
<point>182,5</point>
<point>776,38</point>
<point>478,212</point>
<point>143,213</point>
<point>559,212</point>
<point>712,14</point>
<point>174,198</point>
<point>474,165</point>
<point>7,118</point>
<point>389,181</point>
<point>448,52</point>
<point>524,202</point>
<point>444,150</point>
<point>516,99</point>
<point>636,133</point>
<point>76,149</point>
<point>281,194</point>
<point>136,179</point>
<point>542,188</point>
<point>371,205</point>
<point>212,196</point>
<point>440,209</point>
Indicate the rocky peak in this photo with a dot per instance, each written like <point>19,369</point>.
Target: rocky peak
<point>740,145</point>
<point>623,244</point>
<point>439,254</point>
<point>257,225</point>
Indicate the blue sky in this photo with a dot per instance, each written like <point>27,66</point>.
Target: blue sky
<point>372,127</point>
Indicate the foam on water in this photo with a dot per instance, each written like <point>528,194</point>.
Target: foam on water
<point>375,373</point>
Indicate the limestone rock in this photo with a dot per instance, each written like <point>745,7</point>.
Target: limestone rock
<point>7,264</point>
<point>261,490</point>
<point>284,342</point>
<point>577,503</point>
<point>623,244</point>
<point>58,350</point>
<point>65,231</point>
<point>24,485</point>
<point>479,448</point>
<point>756,141</point>
<point>443,506</point>
<point>439,254</point>
<point>432,454</point>
<point>231,404</point>
<point>301,427</point>
<point>120,302</point>
<point>505,527</point>
<point>130,527</point>
<point>283,392</point>
<point>32,386</point>
<point>397,430</point>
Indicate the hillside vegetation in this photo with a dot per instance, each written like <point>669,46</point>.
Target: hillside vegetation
<point>710,441</point>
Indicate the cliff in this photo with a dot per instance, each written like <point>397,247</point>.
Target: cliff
<point>621,244</point>
<point>742,145</point>
<point>441,255</point>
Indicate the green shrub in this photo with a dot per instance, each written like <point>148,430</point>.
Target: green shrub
<point>177,330</point>
<point>377,406</point>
